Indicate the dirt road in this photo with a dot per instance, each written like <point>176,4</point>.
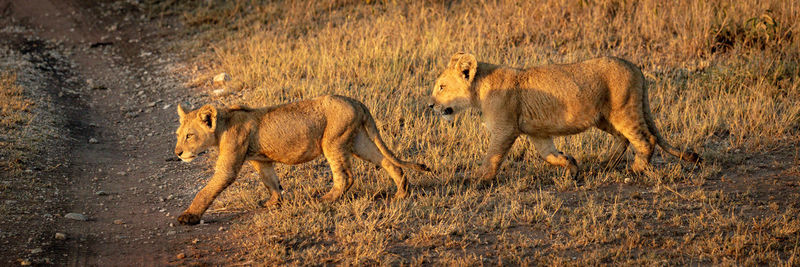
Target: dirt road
<point>107,68</point>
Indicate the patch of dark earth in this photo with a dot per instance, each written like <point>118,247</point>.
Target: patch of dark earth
<point>110,74</point>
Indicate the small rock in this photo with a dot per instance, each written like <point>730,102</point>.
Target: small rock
<point>10,202</point>
<point>221,229</point>
<point>76,216</point>
<point>221,78</point>
<point>61,236</point>
<point>181,256</point>
<point>131,114</point>
<point>24,262</point>
<point>93,140</point>
<point>219,92</point>
<point>118,221</point>
<point>195,241</point>
<point>101,193</point>
<point>171,232</point>
<point>628,180</point>
<point>36,251</point>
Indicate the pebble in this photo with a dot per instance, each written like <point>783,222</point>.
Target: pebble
<point>93,140</point>
<point>628,180</point>
<point>221,78</point>
<point>101,193</point>
<point>118,221</point>
<point>36,251</point>
<point>76,216</point>
<point>219,92</point>
<point>180,256</point>
<point>61,236</point>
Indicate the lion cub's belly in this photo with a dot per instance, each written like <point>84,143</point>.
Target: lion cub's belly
<point>554,126</point>
<point>291,141</point>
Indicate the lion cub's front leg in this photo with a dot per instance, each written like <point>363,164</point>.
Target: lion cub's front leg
<point>224,174</point>
<point>547,150</point>
<point>499,144</point>
<point>270,179</point>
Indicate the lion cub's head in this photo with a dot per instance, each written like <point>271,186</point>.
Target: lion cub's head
<point>452,92</point>
<point>196,132</point>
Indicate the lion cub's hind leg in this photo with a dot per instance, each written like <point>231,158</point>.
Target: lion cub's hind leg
<point>620,143</point>
<point>367,150</point>
<point>547,150</point>
<point>342,176</point>
<point>338,156</point>
<point>641,139</point>
<point>269,178</point>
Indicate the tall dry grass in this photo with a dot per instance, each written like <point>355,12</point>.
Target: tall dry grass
<point>723,80</point>
<point>15,115</point>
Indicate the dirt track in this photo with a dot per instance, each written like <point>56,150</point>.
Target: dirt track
<point>114,88</point>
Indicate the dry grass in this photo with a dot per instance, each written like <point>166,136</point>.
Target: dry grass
<point>723,79</point>
<point>15,115</point>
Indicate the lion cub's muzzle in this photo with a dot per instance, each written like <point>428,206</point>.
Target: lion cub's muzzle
<point>439,108</point>
<point>188,156</point>
<point>445,112</point>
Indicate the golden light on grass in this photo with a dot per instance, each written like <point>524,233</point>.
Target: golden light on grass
<point>722,77</point>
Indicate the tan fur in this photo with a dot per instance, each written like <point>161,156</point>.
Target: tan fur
<point>334,126</point>
<point>553,100</point>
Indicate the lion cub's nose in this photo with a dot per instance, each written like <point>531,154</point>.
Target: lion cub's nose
<point>447,111</point>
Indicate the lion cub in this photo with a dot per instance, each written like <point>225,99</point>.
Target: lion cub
<point>553,100</point>
<point>334,126</point>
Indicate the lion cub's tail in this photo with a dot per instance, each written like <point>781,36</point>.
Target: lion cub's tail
<point>687,155</point>
<point>374,134</point>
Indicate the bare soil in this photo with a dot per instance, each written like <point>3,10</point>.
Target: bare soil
<point>105,67</point>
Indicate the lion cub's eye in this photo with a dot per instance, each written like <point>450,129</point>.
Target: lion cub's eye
<point>441,87</point>
<point>189,136</point>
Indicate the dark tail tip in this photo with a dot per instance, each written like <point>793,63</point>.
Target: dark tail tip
<point>692,157</point>
<point>423,167</point>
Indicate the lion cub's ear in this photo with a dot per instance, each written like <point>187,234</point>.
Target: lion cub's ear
<point>464,63</point>
<point>208,115</point>
<point>181,111</point>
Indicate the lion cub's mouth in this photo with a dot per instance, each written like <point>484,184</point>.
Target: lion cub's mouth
<point>192,157</point>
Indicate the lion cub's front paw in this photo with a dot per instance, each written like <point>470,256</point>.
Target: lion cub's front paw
<point>272,202</point>
<point>188,219</point>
